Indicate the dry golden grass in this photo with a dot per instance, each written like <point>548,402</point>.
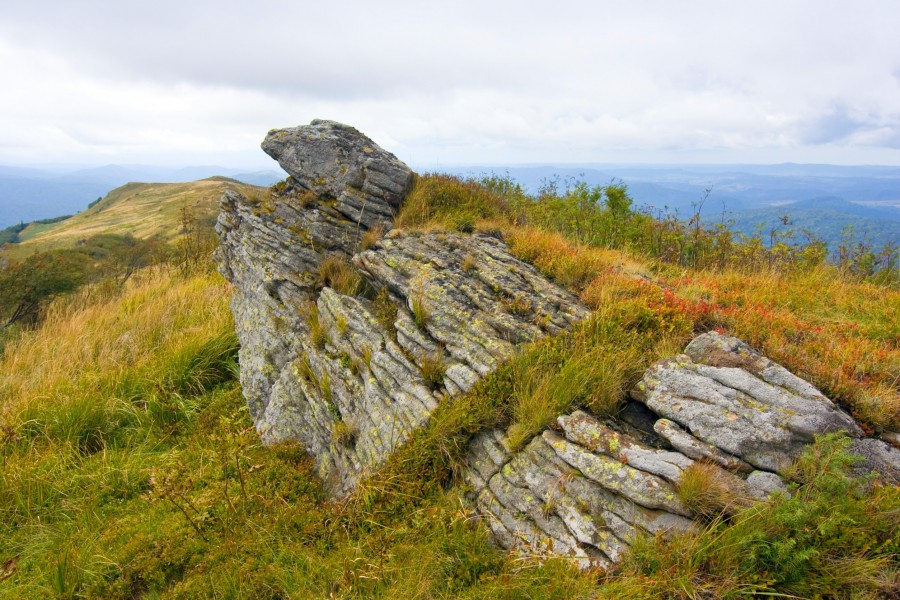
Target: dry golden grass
<point>337,273</point>
<point>840,334</point>
<point>143,210</point>
<point>84,338</point>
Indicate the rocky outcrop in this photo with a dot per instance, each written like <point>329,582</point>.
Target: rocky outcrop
<point>740,402</point>
<point>351,334</point>
<point>349,349</point>
<point>585,488</point>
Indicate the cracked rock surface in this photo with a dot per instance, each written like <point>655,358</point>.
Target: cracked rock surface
<point>586,487</point>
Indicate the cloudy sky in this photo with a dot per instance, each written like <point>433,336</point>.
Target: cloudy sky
<point>445,83</point>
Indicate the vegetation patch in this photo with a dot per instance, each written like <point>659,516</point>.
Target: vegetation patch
<point>338,274</point>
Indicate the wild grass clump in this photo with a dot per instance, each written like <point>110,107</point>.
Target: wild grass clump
<point>703,490</point>
<point>417,305</point>
<point>385,311</point>
<point>432,368</point>
<point>452,202</point>
<point>342,433</point>
<point>593,367</point>
<point>318,335</point>
<point>338,274</point>
<point>371,237</point>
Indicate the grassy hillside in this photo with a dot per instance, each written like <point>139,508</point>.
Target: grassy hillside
<point>142,210</point>
<point>129,466</point>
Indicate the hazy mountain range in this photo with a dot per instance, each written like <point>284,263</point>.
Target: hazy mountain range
<point>824,199</point>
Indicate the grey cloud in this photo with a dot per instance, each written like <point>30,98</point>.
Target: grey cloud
<point>835,126</point>
<point>566,81</point>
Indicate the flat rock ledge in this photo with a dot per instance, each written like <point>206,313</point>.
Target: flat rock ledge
<point>352,375</point>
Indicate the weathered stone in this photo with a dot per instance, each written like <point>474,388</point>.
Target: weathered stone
<point>642,488</point>
<point>352,375</point>
<point>877,457</point>
<point>728,395</point>
<point>762,484</point>
<point>337,162</point>
<point>328,369</point>
<point>534,492</point>
<point>583,429</point>
<point>477,313</point>
<point>690,446</point>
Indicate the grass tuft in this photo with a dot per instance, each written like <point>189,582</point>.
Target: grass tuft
<point>432,368</point>
<point>338,274</point>
<point>703,491</point>
<point>417,305</point>
<point>371,237</point>
<point>317,333</point>
<point>454,203</point>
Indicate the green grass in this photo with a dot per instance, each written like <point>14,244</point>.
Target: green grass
<point>143,476</point>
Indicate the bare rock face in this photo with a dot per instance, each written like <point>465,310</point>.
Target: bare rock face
<point>351,376</point>
<point>587,490</point>
<point>349,349</point>
<point>733,398</point>
<point>587,487</point>
<point>336,162</point>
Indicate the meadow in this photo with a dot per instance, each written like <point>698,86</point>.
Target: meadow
<point>130,467</point>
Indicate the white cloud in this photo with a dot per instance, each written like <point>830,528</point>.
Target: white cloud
<point>462,82</point>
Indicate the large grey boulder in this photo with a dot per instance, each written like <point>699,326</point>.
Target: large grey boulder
<point>728,395</point>
<point>337,162</point>
<point>350,376</point>
<point>352,371</point>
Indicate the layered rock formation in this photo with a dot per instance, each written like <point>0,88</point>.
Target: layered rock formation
<point>585,488</point>
<point>352,333</point>
<point>352,374</point>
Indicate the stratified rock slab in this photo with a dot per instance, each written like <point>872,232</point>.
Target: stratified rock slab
<point>728,395</point>
<point>347,378</point>
<point>352,375</point>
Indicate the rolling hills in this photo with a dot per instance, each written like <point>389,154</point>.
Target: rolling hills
<point>142,210</point>
<point>29,194</point>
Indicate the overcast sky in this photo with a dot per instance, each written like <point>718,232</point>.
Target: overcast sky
<point>445,83</point>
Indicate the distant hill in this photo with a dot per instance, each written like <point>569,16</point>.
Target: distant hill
<point>737,187</point>
<point>827,218</point>
<point>28,194</point>
<point>141,209</point>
